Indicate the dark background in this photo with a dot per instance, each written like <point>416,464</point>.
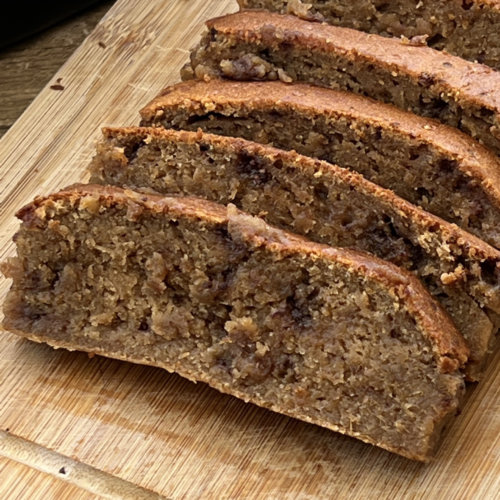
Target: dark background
<point>35,42</point>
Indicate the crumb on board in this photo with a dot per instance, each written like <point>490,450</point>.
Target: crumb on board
<point>57,85</point>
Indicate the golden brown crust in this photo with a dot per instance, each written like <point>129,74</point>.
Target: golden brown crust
<point>109,195</point>
<point>473,82</point>
<point>217,95</point>
<point>449,346</point>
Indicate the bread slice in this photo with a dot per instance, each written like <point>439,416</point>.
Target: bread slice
<point>323,202</point>
<point>432,165</point>
<point>259,45</point>
<point>331,336</point>
<point>468,29</point>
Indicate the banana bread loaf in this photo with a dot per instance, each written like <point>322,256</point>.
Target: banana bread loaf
<point>259,45</point>
<point>468,29</point>
<point>432,165</point>
<point>325,203</point>
<point>330,336</point>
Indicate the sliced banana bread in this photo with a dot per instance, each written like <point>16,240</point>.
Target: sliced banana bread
<point>259,45</point>
<point>331,336</point>
<point>430,164</point>
<point>323,202</point>
<point>467,28</point>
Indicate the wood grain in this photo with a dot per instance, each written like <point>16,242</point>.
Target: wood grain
<point>83,476</point>
<point>20,481</point>
<point>154,429</point>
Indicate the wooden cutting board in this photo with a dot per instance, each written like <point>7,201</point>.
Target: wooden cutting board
<point>141,424</point>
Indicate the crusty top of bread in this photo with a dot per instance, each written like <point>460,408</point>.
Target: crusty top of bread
<point>474,82</point>
<point>449,346</point>
<point>216,95</point>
